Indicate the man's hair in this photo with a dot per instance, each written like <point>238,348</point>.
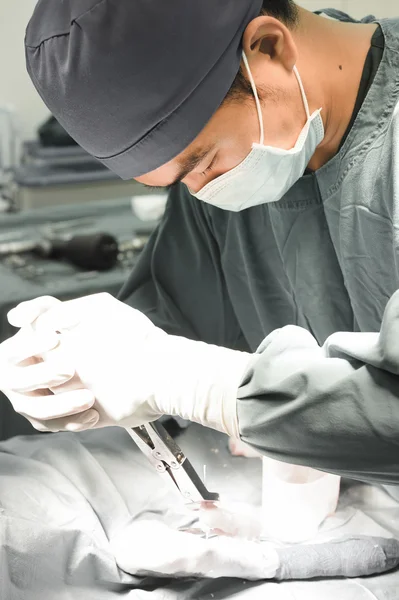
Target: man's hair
<point>284,10</point>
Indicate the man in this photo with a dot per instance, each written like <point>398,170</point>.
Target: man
<point>285,126</point>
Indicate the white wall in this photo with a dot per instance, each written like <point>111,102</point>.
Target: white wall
<point>17,90</point>
<point>356,8</point>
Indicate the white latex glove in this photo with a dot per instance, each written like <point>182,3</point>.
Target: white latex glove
<point>135,371</point>
<point>25,379</point>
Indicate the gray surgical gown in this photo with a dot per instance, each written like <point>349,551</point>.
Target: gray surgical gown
<point>324,258</point>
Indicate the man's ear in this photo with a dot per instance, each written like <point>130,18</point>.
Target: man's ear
<point>266,37</point>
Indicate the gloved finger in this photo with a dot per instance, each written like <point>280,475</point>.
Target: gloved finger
<point>388,345</point>
<point>73,384</point>
<point>27,312</point>
<point>81,422</point>
<point>34,377</point>
<point>25,344</point>
<point>46,408</point>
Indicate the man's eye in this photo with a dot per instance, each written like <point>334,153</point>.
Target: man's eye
<point>209,168</point>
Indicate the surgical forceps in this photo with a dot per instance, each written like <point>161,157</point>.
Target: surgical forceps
<point>170,462</point>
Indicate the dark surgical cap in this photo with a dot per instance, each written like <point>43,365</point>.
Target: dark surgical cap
<point>135,81</point>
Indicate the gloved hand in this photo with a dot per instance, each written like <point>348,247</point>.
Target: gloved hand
<point>25,379</point>
<point>135,371</point>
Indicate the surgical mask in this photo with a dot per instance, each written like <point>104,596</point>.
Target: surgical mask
<point>267,173</point>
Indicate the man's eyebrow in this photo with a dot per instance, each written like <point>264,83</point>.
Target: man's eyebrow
<point>187,165</point>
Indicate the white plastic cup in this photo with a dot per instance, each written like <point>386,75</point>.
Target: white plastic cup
<point>296,500</point>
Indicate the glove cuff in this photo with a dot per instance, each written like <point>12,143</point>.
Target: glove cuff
<point>203,384</point>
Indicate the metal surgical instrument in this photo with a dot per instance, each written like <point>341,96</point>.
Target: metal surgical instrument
<point>170,462</point>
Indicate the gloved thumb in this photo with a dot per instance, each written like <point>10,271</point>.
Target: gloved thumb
<point>26,313</point>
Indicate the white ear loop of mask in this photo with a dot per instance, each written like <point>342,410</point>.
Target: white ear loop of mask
<point>257,101</point>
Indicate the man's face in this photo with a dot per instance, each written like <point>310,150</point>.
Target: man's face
<point>228,137</point>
